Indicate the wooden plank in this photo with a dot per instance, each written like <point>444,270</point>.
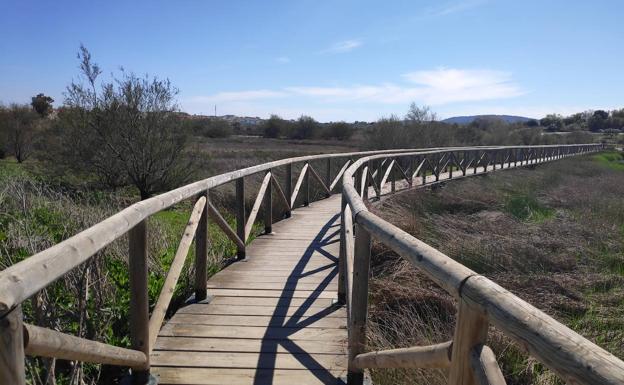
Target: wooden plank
<point>12,369</point>
<point>224,226</point>
<point>248,360</point>
<point>240,217</point>
<point>338,177</point>
<point>485,368</point>
<point>319,180</point>
<point>203,344</point>
<point>166,293</point>
<point>293,302</point>
<point>219,376</point>
<point>139,301</point>
<point>201,253</point>
<point>273,293</point>
<point>295,192</point>
<point>256,206</point>
<point>232,277</point>
<point>432,356</point>
<point>267,310</point>
<point>359,302</point>
<point>317,321</point>
<point>280,192</point>
<point>44,342</point>
<point>257,332</point>
<point>279,286</point>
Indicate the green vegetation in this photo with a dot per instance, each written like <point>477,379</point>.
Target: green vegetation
<point>527,208</point>
<point>91,301</point>
<point>613,160</point>
<point>552,235</point>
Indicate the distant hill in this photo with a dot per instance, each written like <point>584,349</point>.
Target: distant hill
<point>470,119</point>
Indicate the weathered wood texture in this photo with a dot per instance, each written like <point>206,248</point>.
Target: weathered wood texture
<point>12,348</point>
<point>271,318</point>
<point>50,343</point>
<point>426,357</point>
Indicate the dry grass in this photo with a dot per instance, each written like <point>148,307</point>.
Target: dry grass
<point>552,235</point>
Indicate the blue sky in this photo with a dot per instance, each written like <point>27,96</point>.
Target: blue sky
<point>333,60</point>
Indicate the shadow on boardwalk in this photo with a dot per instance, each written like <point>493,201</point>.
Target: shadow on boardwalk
<point>288,325</point>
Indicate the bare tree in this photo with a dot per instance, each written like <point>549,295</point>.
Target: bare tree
<point>127,130</point>
<point>418,114</point>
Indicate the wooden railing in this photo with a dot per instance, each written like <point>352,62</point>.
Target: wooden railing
<point>24,279</point>
<point>480,302</point>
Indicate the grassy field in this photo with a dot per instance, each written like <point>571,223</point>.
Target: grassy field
<point>553,235</point>
<point>39,208</point>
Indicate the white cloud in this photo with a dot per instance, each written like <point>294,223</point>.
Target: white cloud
<point>282,59</point>
<point>453,7</point>
<point>435,87</point>
<point>343,46</point>
<point>432,87</point>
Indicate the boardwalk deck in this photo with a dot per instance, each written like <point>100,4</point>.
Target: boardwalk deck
<point>271,318</point>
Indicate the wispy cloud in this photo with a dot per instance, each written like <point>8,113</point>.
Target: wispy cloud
<point>282,59</point>
<point>344,46</point>
<point>453,7</point>
<point>436,87</point>
<point>237,96</point>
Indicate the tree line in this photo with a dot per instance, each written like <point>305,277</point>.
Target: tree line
<point>127,130</point>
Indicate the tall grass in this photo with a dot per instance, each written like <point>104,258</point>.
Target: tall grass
<point>552,235</point>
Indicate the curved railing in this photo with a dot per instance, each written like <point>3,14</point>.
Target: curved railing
<point>22,280</point>
<point>481,302</point>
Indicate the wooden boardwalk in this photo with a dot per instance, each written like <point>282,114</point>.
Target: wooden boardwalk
<point>271,318</point>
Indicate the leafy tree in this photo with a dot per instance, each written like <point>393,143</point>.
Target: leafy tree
<point>306,128</point>
<point>19,127</point>
<point>126,131</point>
<point>598,120</point>
<point>339,130</point>
<point>273,127</point>
<point>42,104</point>
<point>532,123</point>
<point>552,122</point>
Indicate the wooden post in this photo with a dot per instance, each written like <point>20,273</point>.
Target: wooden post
<point>393,177</point>
<point>201,253</point>
<point>240,214</point>
<point>471,329</point>
<point>139,301</point>
<point>268,209</point>
<point>289,186</point>
<point>342,256</point>
<point>359,303</point>
<point>328,179</point>
<point>306,187</point>
<point>12,369</point>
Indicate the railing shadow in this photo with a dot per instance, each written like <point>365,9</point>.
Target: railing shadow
<point>284,325</point>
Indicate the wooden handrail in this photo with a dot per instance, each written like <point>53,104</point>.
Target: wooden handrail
<point>166,293</point>
<point>44,342</point>
<point>481,301</point>
<point>418,357</point>
<point>22,280</point>
<point>25,278</point>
